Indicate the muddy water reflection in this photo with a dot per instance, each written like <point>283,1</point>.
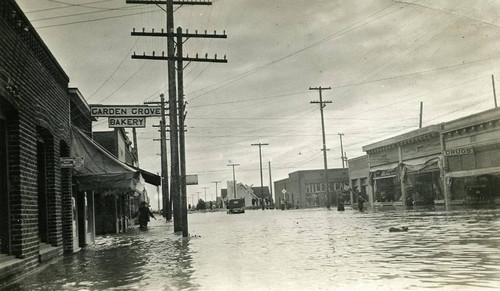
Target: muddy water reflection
<point>292,250</point>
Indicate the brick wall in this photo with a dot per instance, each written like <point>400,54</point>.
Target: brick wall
<point>39,109</point>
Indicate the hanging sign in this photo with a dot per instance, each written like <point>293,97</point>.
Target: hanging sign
<point>67,162</point>
<point>191,179</point>
<point>97,110</point>
<point>127,121</point>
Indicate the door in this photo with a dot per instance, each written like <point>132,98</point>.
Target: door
<point>43,221</point>
<point>4,191</point>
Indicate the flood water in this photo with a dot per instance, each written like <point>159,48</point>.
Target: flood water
<point>310,249</point>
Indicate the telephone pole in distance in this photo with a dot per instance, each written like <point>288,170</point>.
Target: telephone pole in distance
<point>261,181</point>
<point>234,178</point>
<point>322,104</point>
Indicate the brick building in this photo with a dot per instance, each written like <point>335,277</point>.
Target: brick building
<point>358,180</point>
<point>35,193</point>
<point>307,188</point>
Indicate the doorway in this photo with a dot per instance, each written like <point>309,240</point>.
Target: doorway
<point>43,221</point>
<point>4,191</point>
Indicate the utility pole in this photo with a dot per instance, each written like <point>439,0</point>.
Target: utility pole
<point>158,193</point>
<point>270,181</point>
<point>205,189</point>
<point>421,114</point>
<point>178,184</point>
<point>322,104</point>
<point>167,209</point>
<point>234,177</point>
<point>182,114</point>
<point>216,182</point>
<point>261,181</point>
<point>494,92</point>
<point>341,150</point>
<point>136,148</point>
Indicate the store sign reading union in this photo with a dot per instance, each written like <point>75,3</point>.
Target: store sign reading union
<point>459,152</point>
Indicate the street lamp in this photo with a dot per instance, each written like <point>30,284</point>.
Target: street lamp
<point>261,182</point>
<point>234,178</point>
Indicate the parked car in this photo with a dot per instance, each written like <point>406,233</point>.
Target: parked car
<point>236,206</point>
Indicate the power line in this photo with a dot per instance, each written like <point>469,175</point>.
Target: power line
<point>91,20</point>
<point>252,71</point>
<point>68,5</point>
<point>113,73</point>
<point>123,84</point>
<point>83,13</point>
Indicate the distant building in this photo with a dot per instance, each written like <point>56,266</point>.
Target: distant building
<point>307,188</point>
<point>359,174</point>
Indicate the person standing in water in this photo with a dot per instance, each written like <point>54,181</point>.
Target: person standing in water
<point>361,200</point>
<point>144,214</point>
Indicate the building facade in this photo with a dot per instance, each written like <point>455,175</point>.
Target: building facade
<point>444,166</point>
<point>359,175</point>
<point>471,151</point>
<point>35,192</point>
<point>307,188</point>
<point>405,170</point>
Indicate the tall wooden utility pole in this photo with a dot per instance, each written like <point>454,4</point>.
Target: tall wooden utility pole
<point>494,92</point>
<point>234,178</point>
<point>322,104</point>
<point>182,114</point>
<point>261,181</point>
<point>167,209</point>
<point>216,182</point>
<point>136,147</point>
<point>421,114</point>
<point>270,181</point>
<point>176,103</point>
<point>342,150</point>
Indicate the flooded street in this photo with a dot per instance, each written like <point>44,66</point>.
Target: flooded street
<point>312,249</point>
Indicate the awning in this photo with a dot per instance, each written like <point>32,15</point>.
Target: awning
<point>386,167</point>
<point>419,164</point>
<point>473,172</point>
<point>149,177</point>
<point>101,170</point>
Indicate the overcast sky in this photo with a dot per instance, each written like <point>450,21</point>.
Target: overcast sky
<point>381,58</point>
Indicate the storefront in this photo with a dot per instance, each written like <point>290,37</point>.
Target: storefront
<point>406,170</point>
<point>471,147</point>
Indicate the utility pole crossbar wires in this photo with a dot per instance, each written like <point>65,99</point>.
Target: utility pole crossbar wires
<point>322,104</point>
<point>176,103</point>
<point>234,178</point>
<point>261,181</point>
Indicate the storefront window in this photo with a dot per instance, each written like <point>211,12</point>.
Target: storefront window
<point>424,188</point>
<point>387,190</point>
<point>477,189</point>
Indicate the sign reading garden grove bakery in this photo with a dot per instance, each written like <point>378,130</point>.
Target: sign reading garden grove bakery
<point>124,110</point>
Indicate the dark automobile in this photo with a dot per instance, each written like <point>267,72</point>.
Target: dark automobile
<point>236,206</point>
